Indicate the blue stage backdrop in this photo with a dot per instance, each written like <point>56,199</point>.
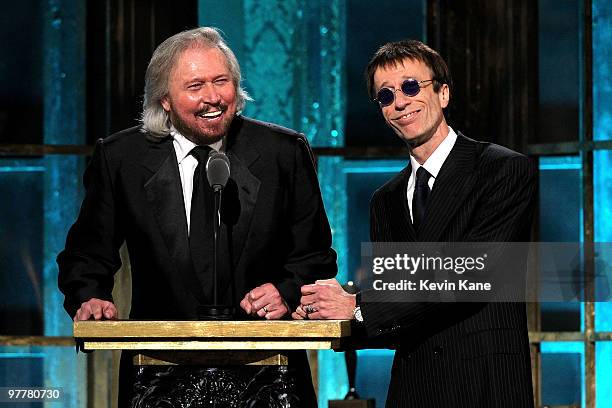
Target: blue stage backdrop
<point>302,63</point>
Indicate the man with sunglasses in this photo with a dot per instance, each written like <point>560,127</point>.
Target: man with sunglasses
<point>454,189</point>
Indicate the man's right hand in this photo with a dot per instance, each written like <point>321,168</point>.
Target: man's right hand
<point>96,309</point>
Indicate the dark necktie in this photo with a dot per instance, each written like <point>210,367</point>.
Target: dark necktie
<point>201,222</point>
<point>419,198</point>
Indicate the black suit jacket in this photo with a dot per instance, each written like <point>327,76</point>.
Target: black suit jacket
<point>274,224</point>
<point>466,354</point>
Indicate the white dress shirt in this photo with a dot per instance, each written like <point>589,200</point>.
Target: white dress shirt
<point>433,165</point>
<point>187,164</point>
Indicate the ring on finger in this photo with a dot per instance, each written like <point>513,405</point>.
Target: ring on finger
<point>309,309</point>
<point>265,309</point>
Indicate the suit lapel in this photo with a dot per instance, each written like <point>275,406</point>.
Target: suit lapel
<point>240,203</point>
<point>165,196</point>
<point>396,204</point>
<point>453,184</point>
<point>247,189</point>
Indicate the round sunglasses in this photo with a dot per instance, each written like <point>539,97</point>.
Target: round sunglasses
<point>410,87</point>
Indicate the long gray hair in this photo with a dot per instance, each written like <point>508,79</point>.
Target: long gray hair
<point>155,119</point>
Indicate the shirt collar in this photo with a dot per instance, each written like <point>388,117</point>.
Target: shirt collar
<point>434,163</point>
<point>183,146</point>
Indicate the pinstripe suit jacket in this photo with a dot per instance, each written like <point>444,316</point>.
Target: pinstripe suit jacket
<point>450,354</point>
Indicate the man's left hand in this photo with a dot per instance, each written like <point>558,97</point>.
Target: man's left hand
<point>325,299</point>
<point>265,301</point>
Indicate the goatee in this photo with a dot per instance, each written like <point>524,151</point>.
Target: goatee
<point>196,135</point>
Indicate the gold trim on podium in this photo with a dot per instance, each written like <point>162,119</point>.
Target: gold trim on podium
<point>211,329</point>
<point>211,335</point>
<point>212,358</point>
<point>209,345</point>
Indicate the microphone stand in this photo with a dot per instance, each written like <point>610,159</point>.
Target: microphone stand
<point>216,311</point>
<point>216,233</point>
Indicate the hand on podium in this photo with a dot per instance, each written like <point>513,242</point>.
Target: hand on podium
<point>265,301</point>
<point>325,299</point>
<point>96,309</point>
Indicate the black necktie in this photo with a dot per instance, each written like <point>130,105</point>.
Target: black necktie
<point>419,198</point>
<point>201,222</point>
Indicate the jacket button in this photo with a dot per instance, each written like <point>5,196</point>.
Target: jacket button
<point>437,350</point>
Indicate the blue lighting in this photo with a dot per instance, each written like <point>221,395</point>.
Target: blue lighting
<point>561,163</point>
<point>22,355</point>
<point>64,123</point>
<point>602,130</point>
<point>603,362</point>
<point>373,368</point>
<point>574,347</point>
<point>374,166</point>
<point>21,169</point>
<point>373,169</point>
<point>559,166</point>
<point>562,347</point>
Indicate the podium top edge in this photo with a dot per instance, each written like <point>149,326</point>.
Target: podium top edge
<point>242,329</point>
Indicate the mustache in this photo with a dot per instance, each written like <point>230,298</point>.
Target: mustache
<point>209,108</point>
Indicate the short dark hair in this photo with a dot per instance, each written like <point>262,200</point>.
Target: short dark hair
<point>395,52</point>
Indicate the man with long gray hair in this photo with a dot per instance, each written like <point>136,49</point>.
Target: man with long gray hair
<point>146,186</point>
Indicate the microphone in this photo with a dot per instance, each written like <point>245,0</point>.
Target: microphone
<point>217,170</point>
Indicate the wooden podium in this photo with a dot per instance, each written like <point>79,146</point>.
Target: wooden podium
<point>218,344</point>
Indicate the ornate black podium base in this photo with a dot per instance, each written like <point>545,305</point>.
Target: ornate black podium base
<point>199,387</point>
